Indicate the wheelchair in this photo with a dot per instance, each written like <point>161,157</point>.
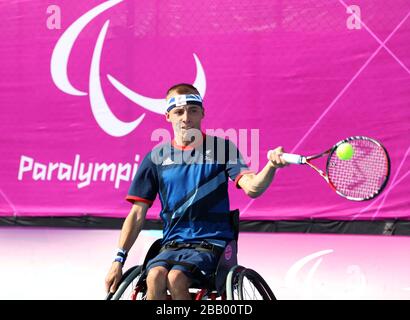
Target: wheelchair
<point>230,281</point>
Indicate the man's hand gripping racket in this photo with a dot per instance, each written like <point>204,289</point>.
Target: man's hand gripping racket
<point>357,168</point>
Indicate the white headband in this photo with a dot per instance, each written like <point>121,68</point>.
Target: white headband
<point>184,99</point>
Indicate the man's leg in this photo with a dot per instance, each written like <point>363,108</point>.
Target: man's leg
<point>157,283</point>
<point>178,284</point>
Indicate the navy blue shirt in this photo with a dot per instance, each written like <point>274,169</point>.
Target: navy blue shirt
<point>192,183</point>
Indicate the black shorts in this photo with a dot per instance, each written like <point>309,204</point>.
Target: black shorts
<point>205,261</point>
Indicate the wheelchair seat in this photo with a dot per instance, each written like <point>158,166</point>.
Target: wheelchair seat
<point>226,260</point>
<point>227,282</point>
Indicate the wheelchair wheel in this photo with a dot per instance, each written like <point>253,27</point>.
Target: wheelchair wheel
<point>127,289</point>
<point>247,284</point>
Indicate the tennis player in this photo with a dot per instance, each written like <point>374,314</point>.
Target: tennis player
<point>190,174</point>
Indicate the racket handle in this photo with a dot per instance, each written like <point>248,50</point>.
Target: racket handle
<point>293,158</point>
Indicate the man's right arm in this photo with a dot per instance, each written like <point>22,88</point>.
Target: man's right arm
<point>132,225</point>
<point>129,233</point>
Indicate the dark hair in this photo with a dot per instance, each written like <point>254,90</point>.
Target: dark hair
<point>183,88</point>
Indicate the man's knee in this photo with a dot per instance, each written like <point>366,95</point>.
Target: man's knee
<point>178,280</point>
<point>157,275</point>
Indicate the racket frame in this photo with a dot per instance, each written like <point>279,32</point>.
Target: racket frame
<point>325,174</point>
<point>347,140</point>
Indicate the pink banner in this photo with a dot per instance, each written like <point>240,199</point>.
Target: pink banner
<point>82,87</point>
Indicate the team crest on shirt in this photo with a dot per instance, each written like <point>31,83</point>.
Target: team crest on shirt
<point>208,156</point>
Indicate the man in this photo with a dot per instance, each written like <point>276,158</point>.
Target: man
<point>190,175</point>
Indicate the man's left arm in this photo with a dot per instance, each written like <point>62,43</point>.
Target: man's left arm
<point>256,184</point>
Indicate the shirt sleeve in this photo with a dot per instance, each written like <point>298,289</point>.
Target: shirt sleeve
<point>235,166</point>
<point>144,186</point>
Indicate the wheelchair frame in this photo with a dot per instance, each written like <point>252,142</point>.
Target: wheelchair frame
<point>227,283</point>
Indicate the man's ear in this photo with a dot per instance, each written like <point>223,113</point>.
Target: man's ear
<point>167,116</point>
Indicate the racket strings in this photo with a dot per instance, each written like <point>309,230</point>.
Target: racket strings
<point>364,174</point>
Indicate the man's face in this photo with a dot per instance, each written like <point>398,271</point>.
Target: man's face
<point>184,119</point>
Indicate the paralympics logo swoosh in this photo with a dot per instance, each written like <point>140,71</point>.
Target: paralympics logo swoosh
<point>103,115</point>
<point>292,274</point>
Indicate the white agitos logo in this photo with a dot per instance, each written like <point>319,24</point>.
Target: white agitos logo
<point>107,121</point>
<point>291,278</point>
<point>302,281</point>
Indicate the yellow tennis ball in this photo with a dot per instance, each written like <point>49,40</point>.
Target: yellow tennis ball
<point>345,151</point>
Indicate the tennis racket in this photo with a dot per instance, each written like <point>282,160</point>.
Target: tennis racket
<point>362,177</point>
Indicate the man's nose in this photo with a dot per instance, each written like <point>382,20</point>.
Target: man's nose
<point>185,116</point>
